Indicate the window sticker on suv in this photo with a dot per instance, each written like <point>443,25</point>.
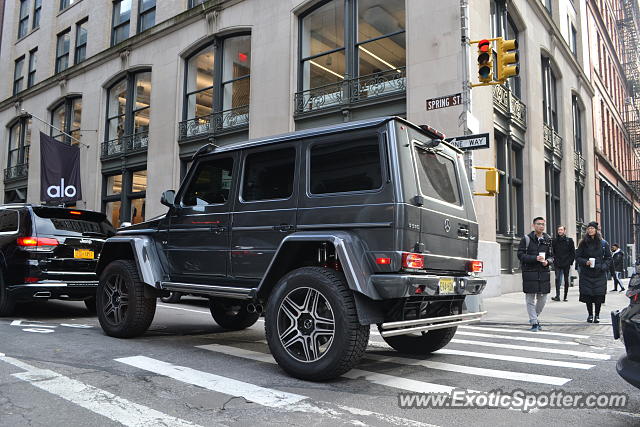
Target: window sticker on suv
<point>345,166</point>
<point>437,176</point>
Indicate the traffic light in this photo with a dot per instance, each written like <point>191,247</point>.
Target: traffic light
<point>485,63</point>
<point>507,59</point>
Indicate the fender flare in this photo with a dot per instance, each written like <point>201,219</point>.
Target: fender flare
<point>141,250</point>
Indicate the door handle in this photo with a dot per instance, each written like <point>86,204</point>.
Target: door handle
<point>220,229</point>
<point>463,231</point>
<point>284,227</point>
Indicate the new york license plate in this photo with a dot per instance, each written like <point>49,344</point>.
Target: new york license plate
<point>83,253</point>
<point>446,285</point>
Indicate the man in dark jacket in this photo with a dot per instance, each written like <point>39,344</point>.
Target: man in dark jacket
<point>617,266</point>
<point>564,253</point>
<point>535,253</point>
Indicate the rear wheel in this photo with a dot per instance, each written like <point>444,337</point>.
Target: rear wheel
<point>232,315</point>
<point>123,309</point>
<point>421,342</point>
<point>90,303</point>
<point>7,303</point>
<point>312,325</point>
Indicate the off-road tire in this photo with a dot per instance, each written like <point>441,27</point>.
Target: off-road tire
<point>350,338</point>
<point>90,303</point>
<point>137,317</point>
<point>422,343</point>
<point>232,315</point>
<point>7,304</point>
<point>173,298</point>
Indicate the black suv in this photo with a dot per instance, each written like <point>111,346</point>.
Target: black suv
<point>330,230</point>
<point>49,252</point>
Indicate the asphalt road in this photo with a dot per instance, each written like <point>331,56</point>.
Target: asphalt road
<point>57,368</point>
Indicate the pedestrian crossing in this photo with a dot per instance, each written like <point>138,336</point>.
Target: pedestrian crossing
<point>490,356</point>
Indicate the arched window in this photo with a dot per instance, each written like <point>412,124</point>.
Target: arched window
<point>549,95</point>
<point>66,116</point>
<point>128,114</point>
<point>217,89</point>
<point>350,50</point>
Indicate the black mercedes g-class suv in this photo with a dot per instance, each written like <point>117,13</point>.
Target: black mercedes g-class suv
<point>330,230</point>
<point>49,253</point>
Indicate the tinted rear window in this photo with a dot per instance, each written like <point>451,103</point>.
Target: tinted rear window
<point>345,166</point>
<point>8,221</point>
<point>62,222</point>
<point>438,177</point>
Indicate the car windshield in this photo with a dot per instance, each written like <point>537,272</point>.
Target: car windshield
<point>69,222</point>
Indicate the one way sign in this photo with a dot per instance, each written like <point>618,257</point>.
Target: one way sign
<point>470,142</point>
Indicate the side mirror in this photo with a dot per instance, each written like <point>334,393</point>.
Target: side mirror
<point>168,198</point>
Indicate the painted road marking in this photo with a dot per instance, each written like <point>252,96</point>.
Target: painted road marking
<point>557,334</point>
<point>576,353</point>
<point>516,338</point>
<point>519,359</point>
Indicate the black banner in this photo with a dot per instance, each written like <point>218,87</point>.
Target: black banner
<point>59,171</point>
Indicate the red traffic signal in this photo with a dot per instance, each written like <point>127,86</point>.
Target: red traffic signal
<point>485,65</point>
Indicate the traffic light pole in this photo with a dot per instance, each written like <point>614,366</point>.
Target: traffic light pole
<point>466,52</point>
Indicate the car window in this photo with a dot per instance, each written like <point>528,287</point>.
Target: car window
<point>345,166</point>
<point>210,184</point>
<point>8,221</point>
<point>67,222</point>
<point>269,175</point>
<point>437,176</point>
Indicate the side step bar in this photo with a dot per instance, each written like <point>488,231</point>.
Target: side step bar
<point>429,324</point>
<point>211,290</point>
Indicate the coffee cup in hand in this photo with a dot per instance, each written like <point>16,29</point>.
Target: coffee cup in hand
<point>542,255</point>
<point>592,262</point>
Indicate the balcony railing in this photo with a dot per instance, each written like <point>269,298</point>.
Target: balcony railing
<point>505,101</point>
<point>579,163</point>
<point>552,141</point>
<point>352,91</point>
<point>16,172</point>
<point>125,145</point>
<point>223,121</point>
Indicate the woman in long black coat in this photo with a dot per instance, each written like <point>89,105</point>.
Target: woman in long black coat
<point>593,278</point>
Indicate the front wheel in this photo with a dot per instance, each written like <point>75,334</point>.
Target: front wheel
<point>312,326</point>
<point>421,342</point>
<point>123,309</point>
<point>232,315</point>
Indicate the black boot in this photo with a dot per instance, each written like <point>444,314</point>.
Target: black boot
<point>556,298</point>
<point>596,319</point>
<point>590,319</point>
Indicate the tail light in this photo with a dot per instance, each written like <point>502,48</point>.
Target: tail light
<point>37,243</point>
<point>411,260</point>
<point>475,266</point>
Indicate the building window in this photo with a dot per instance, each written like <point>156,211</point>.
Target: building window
<point>18,76</point>
<point>146,14</point>
<point>573,39</point>
<point>120,22</point>
<point>124,196</point>
<point>549,95</point>
<point>552,195</point>
<point>37,11</point>
<point>62,50</point>
<point>81,41</point>
<point>67,3</point>
<point>19,142</point>
<point>33,63</point>
<point>217,90</point>
<point>502,25</point>
<point>66,116</point>
<point>577,124</point>
<point>362,41</point>
<point>580,220</point>
<point>23,23</point>
<point>193,3</point>
<point>128,114</point>
<point>548,5</point>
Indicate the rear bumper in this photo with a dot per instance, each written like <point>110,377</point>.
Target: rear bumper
<point>391,286</point>
<point>53,289</point>
<point>429,324</point>
<point>629,370</point>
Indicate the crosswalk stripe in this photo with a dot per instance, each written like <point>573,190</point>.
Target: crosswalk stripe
<point>208,313</point>
<point>94,399</point>
<point>523,331</point>
<point>374,377</point>
<point>516,338</point>
<point>261,395</point>
<point>531,360</point>
<point>470,370</point>
<point>583,354</point>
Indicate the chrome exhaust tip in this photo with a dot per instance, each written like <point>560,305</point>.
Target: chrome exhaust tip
<point>251,308</point>
<point>42,294</point>
<point>259,308</point>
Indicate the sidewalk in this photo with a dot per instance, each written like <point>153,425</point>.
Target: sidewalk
<point>511,309</point>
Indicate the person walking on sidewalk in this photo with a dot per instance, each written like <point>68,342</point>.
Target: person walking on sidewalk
<point>594,261</point>
<point>536,256</point>
<point>564,253</point>
<point>617,266</point>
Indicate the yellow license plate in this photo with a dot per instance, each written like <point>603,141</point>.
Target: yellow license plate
<point>446,285</point>
<point>83,253</point>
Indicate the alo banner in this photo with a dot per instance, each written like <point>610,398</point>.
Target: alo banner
<point>59,171</point>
